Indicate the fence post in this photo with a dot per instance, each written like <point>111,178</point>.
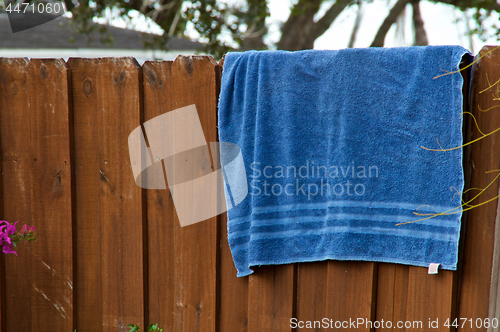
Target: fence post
<point>485,156</point>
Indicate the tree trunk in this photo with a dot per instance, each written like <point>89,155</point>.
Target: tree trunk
<point>300,31</point>
<point>379,39</point>
<point>253,40</point>
<point>295,31</point>
<point>355,29</point>
<point>418,25</point>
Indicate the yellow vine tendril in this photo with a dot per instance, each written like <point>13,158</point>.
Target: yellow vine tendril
<point>470,64</point>
<point>460,209</point>
<point>486,110</point>
<point>461,146</point>
<point>453,211</point>
<point>475,121</point>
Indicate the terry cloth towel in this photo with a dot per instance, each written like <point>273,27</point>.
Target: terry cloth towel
<point>331,142</point>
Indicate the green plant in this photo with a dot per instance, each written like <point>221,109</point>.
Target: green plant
<point>151,328</point>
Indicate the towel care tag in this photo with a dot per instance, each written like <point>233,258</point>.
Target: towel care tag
<point>433,268</point>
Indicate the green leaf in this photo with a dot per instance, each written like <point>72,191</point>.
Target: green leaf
<point>134,328</point>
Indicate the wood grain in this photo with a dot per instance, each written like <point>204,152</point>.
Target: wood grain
<point>13,111</point>
<point>158,81</point>
<point>392,293</point>
<point>196,244</point>
<point>88,210</point>
<point>351,292</point>
<point>110,220</point>
<point>233,307</point>
<point>479,235</point>
<point>312,281</point>
<point>51,187</point>
<point>430,297</point>
<point>271,298</point>
<point>485,156</point>
<point>182,260</point>
<point>16,181</point>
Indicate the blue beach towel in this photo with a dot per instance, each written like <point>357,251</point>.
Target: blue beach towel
<point>331,142</point>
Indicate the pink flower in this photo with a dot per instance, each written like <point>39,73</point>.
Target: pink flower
<point>11,228</point>
<point>3,236</point>
<point>8,249</point>
<point>27,229</point>
<point>9,238</point>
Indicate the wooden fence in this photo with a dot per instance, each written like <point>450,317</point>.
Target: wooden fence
<point>110,253</point>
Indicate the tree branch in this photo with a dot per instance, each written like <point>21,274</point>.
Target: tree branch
<point>294,33</point>
<point>331,14</point>
<point>378,41</point>
<point>355,29</point>
<point>253,38</point>
<point>418,24</point>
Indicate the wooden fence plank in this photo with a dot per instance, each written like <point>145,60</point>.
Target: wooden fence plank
<point>271,298</point>
<point>13,112</point>
<point>158,82</point>
<point>16,176</point>
<point>430,298</point>
<point>340,291</point>
<point>478,250</point>
<point>110,91</point>
<point>196,245</point>
<point>233,291</point>
<point>311,294</point>
<point>392,291</point>
<point>89,292</point>
<point>233,310</point>
<point>183,259</point>
<point>49,107</point>
<point>351,292</point>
